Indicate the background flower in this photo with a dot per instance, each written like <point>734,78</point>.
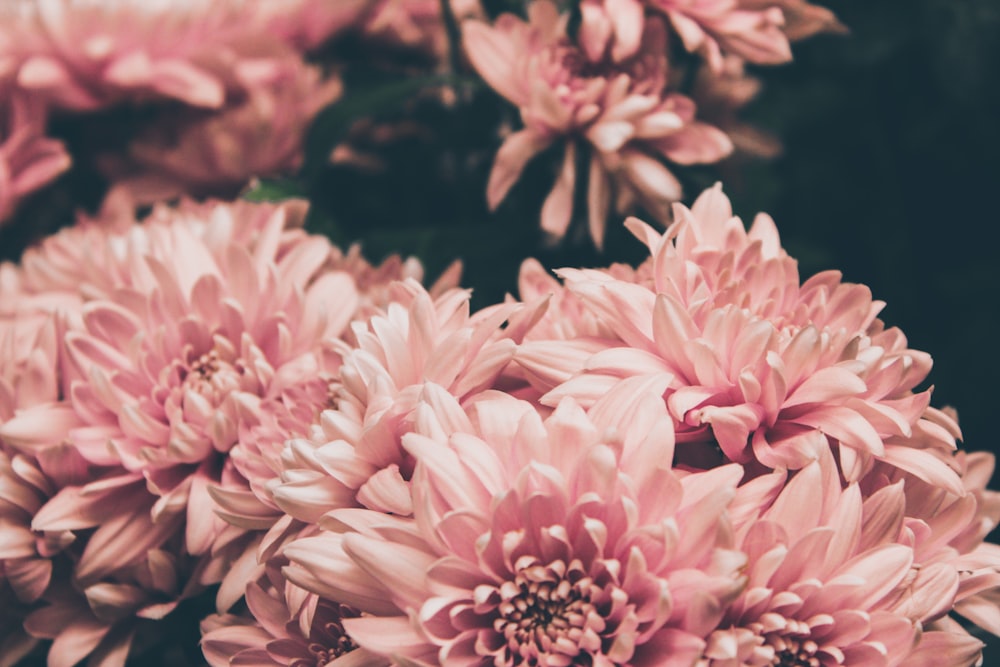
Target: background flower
<point>624,113</point>
<point>28,160</point>
<point>84,56</point>
<point>258,133</point>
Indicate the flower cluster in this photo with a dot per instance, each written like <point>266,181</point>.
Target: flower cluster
<point>699,459</point>
<point>225,440</point>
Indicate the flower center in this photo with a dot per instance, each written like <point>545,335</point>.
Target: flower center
<point>214,377</point>
<point>795,653</point>
<point>545,611</point>
<point>327,638</point>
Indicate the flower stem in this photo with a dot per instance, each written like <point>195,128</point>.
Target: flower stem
<point>454,33</point>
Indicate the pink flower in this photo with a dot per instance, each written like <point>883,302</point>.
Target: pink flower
<point>721,95</point>
<point>87,55</point>
<point>561,541</point>
<point>753,30</point>
<point>258,133</point>
<point>802,20</point>
<point>285,627</point>
<point>765,369</point>
<point>307,24</point>
<point>622,112</point>
<point>257,456</point>
<point>947,532</point>
<point>421,348</point>
<point>201,324</point>
<point>28,160</point>
<point>829,581</point>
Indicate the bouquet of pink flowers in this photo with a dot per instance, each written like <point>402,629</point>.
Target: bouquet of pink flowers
<point>226,440</point>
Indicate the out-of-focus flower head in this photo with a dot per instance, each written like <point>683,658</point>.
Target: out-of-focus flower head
<point>307,24</point>
<point>416,24</point>
<point>721,95</point>
<point>28,159</point>
<point>622,112</point>
<point>757,31</point>
<point>259,133</point>
<point>86,54</point>
<point>801,19</point>
<point>564,540</point>
<point>764,369</point>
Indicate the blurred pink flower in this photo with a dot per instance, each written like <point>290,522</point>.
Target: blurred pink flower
<point>122,572</point>
<point>622,112</point>
<point>85,55</point>
<point>416,24</point>
<point>757,31</point>
<point>721,95</point>
<point>307,24</point>
<point>802,19</point>
<point>766,369</point>
<point>537,542</point>
<point>28,159</point>
<point>258,133</point>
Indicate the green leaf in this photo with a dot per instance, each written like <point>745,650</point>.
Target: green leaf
<point>274,190</point>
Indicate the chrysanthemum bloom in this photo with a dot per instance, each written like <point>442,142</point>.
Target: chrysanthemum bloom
<point>195,326</point>
<point>422,348</point>
<point>284,626</point>
<point>622,112</point>
<point>767,370</point>
<point>563,541</point>
<point>123,572</point>
<point>831,582</point>
<point>200,333</point>
<point>85,55</point>
<point>28,159</point>
<point>258,133</point>
<point>24,573</point>
<point>947,533</point>
<point>258,454</point>
<point>753,30</point>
